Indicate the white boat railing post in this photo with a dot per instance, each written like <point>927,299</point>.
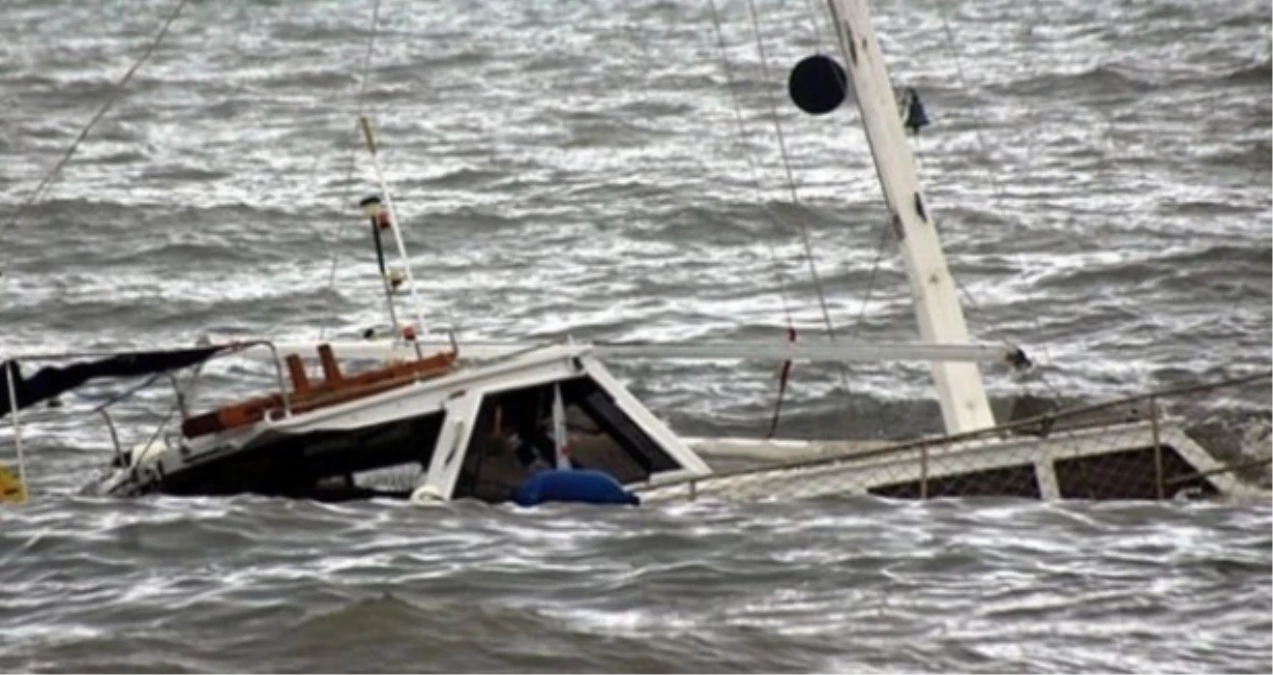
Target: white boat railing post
<point>17,425</point>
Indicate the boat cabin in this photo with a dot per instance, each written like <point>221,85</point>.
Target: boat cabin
<point>438,429</point>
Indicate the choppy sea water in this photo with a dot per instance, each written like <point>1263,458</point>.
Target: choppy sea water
<point>1101,176</point>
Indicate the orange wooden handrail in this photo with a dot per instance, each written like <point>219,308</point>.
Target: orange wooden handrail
<point>336,388</point>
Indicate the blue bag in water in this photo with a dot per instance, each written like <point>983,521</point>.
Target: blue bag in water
<point>584,486</point>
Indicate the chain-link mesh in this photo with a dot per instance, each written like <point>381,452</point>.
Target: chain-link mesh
<point>1194,442</point>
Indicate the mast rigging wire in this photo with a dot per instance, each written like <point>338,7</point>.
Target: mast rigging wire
<point>791,186</point>
<point>110,101</point>
<point>360,99</point>
<point>786,165</point>
<point>996,189</point>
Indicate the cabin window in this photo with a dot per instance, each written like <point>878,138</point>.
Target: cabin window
<point>1128,474</point>
<point>326,465</point>
<point>512,438</point>
<point>1011,481</point>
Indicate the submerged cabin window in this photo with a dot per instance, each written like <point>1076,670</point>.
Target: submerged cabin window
<point>385,445</point>
<point>334,466</point>
<point>513,438</point>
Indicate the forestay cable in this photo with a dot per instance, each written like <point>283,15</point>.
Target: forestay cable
<point>791,186</point>
<point>360,100</point>
<point>785,372</point>
<point>997,190</point>
<point>786,165</point>
<point>115,94</point>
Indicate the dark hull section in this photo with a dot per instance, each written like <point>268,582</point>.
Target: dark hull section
<point>316,466</point>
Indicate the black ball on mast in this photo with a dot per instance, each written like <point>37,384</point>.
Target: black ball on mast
<point>817,84</point>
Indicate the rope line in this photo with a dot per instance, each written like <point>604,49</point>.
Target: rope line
<point>997,190</point>
<point>786,165</point>
<point>110,101</point>
<point>842,369</point>
<point>360,98</point>
<point>880,245</point>
<point>785,372</point>
<point>814,16</point>
<point>751,163</point>
<point>791,184</point>
<point>755,175</point>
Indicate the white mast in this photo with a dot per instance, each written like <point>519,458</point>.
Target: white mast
<point>941,320</point>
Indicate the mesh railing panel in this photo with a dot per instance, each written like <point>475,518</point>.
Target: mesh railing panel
<point>1183,443</point>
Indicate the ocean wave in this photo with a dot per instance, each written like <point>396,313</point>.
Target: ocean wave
<point>1097,80</point>
<point>1254,74</point>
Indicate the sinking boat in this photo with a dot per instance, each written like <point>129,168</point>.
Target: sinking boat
<point>452,431</point>
<point>441,421</point>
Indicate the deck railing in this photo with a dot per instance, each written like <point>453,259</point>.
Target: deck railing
<point>1190,441</point>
